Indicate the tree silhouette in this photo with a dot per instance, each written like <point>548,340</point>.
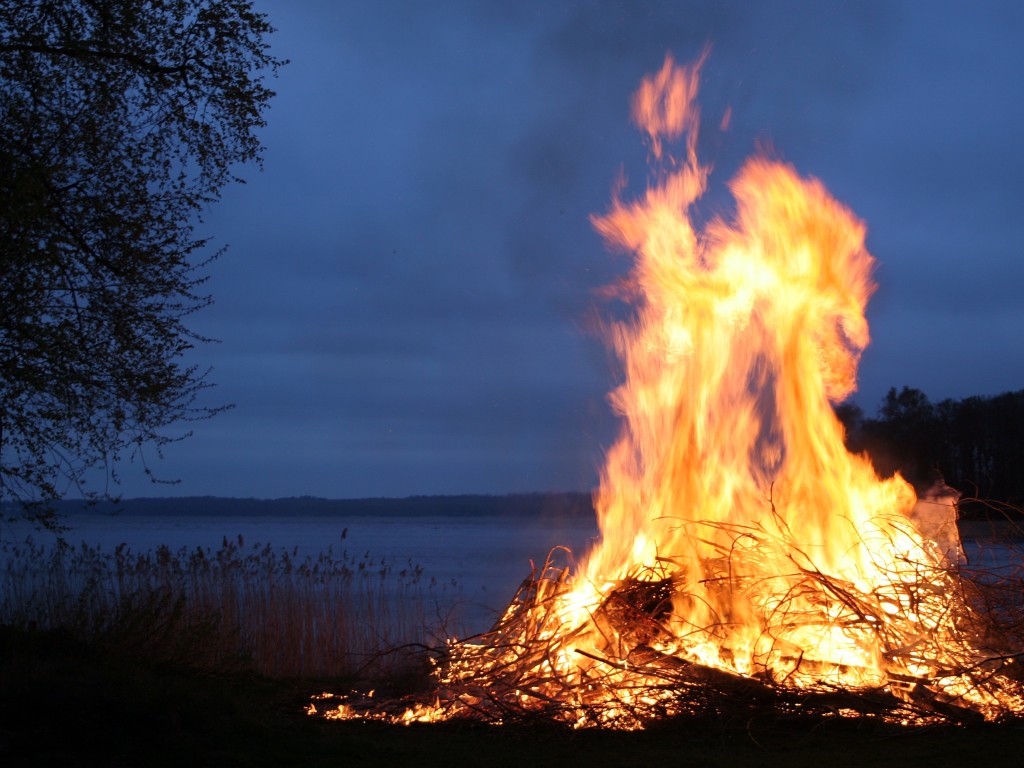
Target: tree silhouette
<point>120,122</point>
<point>975,445</point>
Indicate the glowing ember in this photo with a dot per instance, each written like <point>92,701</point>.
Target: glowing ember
<point>745,554</point>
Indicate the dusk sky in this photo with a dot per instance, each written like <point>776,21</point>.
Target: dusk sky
<point>406,303</point>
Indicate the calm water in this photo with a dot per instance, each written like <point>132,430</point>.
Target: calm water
<point>487,557</point>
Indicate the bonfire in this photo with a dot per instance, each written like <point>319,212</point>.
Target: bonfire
<point>746,560</point>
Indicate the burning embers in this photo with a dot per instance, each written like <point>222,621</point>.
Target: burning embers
<point>746,558</point>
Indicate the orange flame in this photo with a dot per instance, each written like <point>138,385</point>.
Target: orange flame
<point>738,535</point>
<point>731,455</point>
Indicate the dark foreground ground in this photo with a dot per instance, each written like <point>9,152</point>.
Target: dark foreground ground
<point>63,703</point>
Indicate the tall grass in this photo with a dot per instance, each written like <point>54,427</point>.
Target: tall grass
<point>231,608</point>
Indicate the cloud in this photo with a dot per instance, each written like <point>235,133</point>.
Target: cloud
<point>404,308</point>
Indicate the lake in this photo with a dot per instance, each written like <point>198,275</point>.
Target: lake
<point>487,557</point>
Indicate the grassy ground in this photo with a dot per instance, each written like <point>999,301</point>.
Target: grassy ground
<point>66,703</point>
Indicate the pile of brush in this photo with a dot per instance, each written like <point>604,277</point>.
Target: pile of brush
<point>617,669</point>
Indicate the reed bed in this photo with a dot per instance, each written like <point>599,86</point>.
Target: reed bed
<point>233,608</point>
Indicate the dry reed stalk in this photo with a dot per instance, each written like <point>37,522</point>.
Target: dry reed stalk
<point>299,617</point>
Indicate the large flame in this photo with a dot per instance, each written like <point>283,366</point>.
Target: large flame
<point>739,538</point>
<point>732,464</point>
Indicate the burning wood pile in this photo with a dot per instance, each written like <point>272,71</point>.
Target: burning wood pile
<point>622,665</point>
<point>747,561</point>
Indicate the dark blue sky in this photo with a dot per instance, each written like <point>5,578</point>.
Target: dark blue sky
<point>405,304</point>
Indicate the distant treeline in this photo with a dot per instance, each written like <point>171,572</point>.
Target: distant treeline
<point>975,445</point>
<point>550,505</point>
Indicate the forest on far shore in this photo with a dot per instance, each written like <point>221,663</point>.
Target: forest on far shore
<point>975,445</point>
